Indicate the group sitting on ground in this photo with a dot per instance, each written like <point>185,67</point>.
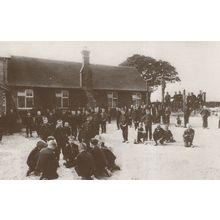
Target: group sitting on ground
<point>93,161</point>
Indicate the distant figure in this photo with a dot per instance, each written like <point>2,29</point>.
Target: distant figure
<point>205,113</point>
<point>219,120</point>
<point>167,99</point>
<point>188,136</point>
<point>178,121</point>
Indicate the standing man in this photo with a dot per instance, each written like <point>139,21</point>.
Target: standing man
<point>186,114</point>
<point>147,120</point>
<point>11,121</point>
<point>205,113</point>
<point>167,114</point>
<point>38,122</point>
<point>45,129</point>
<point>103,121</point>
<point>124,126</point>
<point>167,100</point>
<point>29,124</point>
<point>60,137</point>
<point>73,123</point>
<point>118,115</point>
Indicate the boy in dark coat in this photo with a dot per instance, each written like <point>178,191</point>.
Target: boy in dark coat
<point>29,124</point>
<point>124,126</point>
<point>147,120</point>
<point>205,113</point>
<point>158,135</point>
<point>188,136</point>
<point>118,115</point>
<point>73,123</point>
<point>45,130</point>
<point>2,126</point>
<point>38,122</point>
<point>70,152</point>
<point>34,155</point>
<point>99,159</point>
<point>103,121</point>
<point>110,158</point>
<point>168,135</point>
<point>85,165</point>
<point>140,133</point>
<point>47,162</point>
<point>60,137</point>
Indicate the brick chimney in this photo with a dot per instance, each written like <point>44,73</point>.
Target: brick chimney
<point>85,72</point>
<point>85,54</point>
<point>86,82</point>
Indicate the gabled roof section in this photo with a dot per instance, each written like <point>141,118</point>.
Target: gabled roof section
<point>35,72</point>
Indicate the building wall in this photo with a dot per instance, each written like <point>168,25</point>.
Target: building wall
<point>44,98</point>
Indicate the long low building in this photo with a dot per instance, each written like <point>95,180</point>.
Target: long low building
<point>32,83</point>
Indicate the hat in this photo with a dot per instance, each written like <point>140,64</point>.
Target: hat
<point>41,144</point>
<point>94,141</point>
<point>50,138</point>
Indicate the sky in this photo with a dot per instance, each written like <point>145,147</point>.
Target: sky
<point>198,63</point>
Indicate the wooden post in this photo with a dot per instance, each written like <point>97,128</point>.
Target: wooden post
<point>204,97</point>
<point>163,90</point>
<point>147,94</point>
<point>184,100</point>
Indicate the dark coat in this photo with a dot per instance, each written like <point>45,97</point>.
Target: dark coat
<point>34,155</point>
<point>188,134</point>
<point>47,164</point>
<point>99,159</point>
<point>29,121</point>
<point>85,166</point>
<point>45,131</point>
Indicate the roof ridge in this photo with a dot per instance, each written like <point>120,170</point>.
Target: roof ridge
<point>45,59</point>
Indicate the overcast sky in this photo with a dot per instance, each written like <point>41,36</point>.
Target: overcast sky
<point>198,63</point>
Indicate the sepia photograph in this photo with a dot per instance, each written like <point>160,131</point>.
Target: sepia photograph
<point>109,110</point>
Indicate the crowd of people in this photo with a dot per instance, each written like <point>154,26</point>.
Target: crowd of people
<point>75,134</point>
<point>178,101</point>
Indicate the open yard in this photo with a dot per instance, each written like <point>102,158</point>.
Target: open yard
<point>137,161</point>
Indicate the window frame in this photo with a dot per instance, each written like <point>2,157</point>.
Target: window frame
<point>114,95</point>
<point>61,95</point>
<point>25,91</point>
<point>135,101</point>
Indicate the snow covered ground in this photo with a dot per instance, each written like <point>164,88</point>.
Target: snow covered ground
<point>137,161</point>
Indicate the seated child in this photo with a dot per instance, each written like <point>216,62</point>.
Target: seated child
<point>159,135</point>
<point>168,135</point>
<point>140,134</point>
<point>188,136</point>
<point>34,155</point>
<point>70,152</point>
<point>178,121</point>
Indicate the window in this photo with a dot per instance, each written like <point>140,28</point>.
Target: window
<point>136,99</point>
<point>25,99</point>
<point>112,99</point>
<point>62,98</point>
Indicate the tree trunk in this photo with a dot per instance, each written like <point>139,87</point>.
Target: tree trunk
<point>163,86</point>
<point>148,96</point>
